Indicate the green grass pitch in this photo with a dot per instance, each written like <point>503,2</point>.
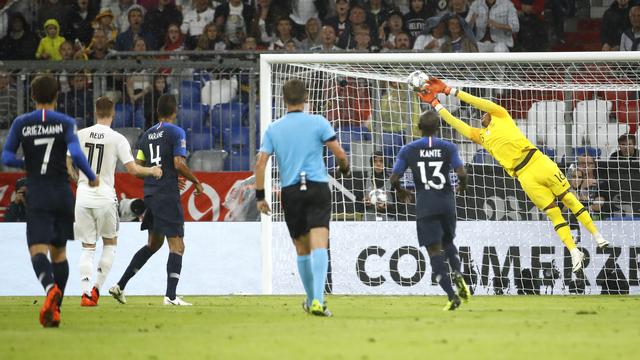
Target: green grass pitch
<point>364,327</point>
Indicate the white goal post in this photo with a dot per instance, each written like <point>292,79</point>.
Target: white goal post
<point>574,106</point>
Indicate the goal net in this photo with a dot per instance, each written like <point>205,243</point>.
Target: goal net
<point>577,108</point>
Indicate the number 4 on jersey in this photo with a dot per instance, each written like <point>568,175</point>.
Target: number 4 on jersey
<point>155,157</point>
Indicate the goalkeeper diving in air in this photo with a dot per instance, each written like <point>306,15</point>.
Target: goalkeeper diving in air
<point>539,176</point>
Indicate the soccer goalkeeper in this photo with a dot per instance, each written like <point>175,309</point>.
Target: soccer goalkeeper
<point>539,176</point>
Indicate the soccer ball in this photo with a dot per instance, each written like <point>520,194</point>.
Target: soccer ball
<point>377,196</point>
<point>417,79</point>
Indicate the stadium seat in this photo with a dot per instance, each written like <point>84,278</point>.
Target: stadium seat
<point>588,114</point>
<point>207,160</point>
<point>193,117</point>
<point>606,136</point>
<point>190,93</point>
<point>546,125</point>
<point>236,139</point>
<point>482,156</point>
<point>237,161</point>
<point>138,118</point>
<point>628,112</point>
<point>591,151</point>
<point>391,144</point>
<point>123,116</point>
<point>227,115</point>
<point>199,141</point>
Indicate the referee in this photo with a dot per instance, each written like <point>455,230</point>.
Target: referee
<point>297,139</point>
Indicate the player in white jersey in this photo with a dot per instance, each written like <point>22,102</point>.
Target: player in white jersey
<point>96,208</point>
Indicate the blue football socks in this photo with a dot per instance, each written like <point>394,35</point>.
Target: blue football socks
<point>306,275</point>
<point>439,268</point>
<point>319,264</point>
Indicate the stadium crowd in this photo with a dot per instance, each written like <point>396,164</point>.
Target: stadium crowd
<point>57,30</point>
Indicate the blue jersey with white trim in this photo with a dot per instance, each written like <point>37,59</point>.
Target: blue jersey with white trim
<point>44,135</point>
<point>157,147</point>
<point>431,160</point>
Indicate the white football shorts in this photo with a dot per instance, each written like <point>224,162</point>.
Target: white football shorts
<point>92,223</point>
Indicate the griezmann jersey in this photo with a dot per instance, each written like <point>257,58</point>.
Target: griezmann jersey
<point>298,139</point>
<point>103,147</point>
<point>431,159</point>
<point>502,138</point>
<point>157,147</point>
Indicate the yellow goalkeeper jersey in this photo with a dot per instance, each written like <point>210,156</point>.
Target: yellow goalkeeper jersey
<point>502,138</point>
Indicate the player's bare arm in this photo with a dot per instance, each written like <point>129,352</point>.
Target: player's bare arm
<point>261,201</point>
<point>339,153</point>
<point>402,194</point>
<point>140,171</point>
<point>181,166</point>
<point>72,170</point>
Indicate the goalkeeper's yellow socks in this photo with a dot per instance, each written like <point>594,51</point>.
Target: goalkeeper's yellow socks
<point>306,275</point>
<point>319,266</point>
<point>581,213</point>
<point>561,227</point>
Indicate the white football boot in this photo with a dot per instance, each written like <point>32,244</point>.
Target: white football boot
<point>118,294</point>
<point>576,259</point>
<point>602,242</point>
<point>177,301</point>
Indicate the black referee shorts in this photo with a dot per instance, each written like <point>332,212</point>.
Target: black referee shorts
<point>305,210</point>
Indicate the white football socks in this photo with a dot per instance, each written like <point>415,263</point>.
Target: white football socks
<point>104,266</point>
<point>86,267</point>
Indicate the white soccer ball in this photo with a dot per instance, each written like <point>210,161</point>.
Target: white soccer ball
<point>377,196</point>
<point>417,79</point>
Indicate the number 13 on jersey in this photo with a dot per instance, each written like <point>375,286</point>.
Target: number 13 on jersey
<point>436,174</point>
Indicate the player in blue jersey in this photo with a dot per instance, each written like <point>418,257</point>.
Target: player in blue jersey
<point>297,140</point>
<point>431,160</point>
<point>163,145</point>
<point>45,136</point>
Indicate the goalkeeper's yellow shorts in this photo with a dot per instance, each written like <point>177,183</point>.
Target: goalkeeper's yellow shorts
<point>542,180</point>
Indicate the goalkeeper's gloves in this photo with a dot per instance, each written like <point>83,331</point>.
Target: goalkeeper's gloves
<point>428,96</point>
<point>437,86</point>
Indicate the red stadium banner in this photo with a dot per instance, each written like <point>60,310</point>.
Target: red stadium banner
<point>206,207</point>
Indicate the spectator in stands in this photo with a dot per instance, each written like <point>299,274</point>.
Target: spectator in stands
<point>434,36</point>
<point>627,149</point>
<point>393,111</point>
<point>328,38</point>
<point>52,9</point>
<point>125,40</point>
<point>100,46</point>
<point>349,104</point>
<point>377,180</point>
<point>17,211</point>
<point>283,34</point>
<point>588,188</point>
<point>268,13</point>
<point>195,21</point>
<point>120,11</point>
<point>363,40</point>
<point>312,34</point>
<point>138,84</point>
<point>69,52</point>
<point>250,43</point>
<point>403,42</point>
<point>459,7</point>
<point>174,41</point>
<point>150,101</point>
<point>496,22</point>
<point>211,38</point>
<point>395,26</point>
<point>20,43</point>
<point>303,10</point>
<point>8,100</point>
<point>79,21</point>
<point>105,21</point>
<point>533,33</point>
<point>415,19</point>
<point>78,101</point>
<point>49,47</point>
<point>357,21</point>
<point>236,19</point>
<point>341,19</point>
<point>614,21</point>
<point>630,38</point>
<point>157,20</point>
<point>460,38</point>
<point>378,11</point>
